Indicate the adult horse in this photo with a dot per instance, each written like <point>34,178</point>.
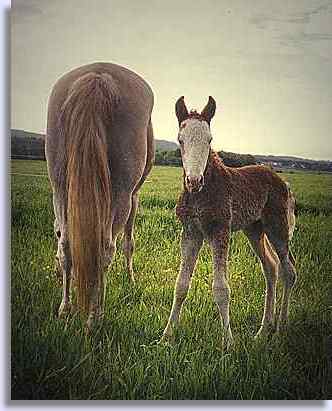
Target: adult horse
<point>99,150</point>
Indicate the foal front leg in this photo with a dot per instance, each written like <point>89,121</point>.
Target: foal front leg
<point>219,243</point>
<point>191,243</point>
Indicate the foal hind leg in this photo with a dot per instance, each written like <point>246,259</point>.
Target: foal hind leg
<point>129,244</point>
<point>287,274</point>
<point>269,263</point>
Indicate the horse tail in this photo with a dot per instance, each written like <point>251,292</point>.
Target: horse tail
<point>84,118</point>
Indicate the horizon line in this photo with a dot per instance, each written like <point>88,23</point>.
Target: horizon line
<point>172,141</point>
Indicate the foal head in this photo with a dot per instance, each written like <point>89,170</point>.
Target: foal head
<point>194,138</point>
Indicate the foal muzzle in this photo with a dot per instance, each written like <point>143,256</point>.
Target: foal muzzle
<point>194,184</point>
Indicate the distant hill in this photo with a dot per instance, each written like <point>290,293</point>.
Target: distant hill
<point>161,145</point>
<point>294,163</point>
<point>164,145</point>
<point>265,158</point>
<point>236,160</point>
<point>25,144</point>
<point>23,134</point>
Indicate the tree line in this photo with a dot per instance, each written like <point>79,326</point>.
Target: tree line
<point>173,158</point>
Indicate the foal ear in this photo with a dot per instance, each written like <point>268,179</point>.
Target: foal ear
<point>181,110</point>
<point>209,110</point>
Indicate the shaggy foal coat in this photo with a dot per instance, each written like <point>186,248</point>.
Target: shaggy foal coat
<point>253,199</point>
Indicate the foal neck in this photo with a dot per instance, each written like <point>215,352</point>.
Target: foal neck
<point>214,166</point>
<point>207,205</point>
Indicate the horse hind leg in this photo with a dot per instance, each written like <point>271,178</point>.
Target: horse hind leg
<point>64,265</point>
<point>269,264</point>
<point>57,266</point>
<point>97,290</point>
<point>96,294</point>
<point>122,218</point>
<point>63,256</point>
<point>129,243</point>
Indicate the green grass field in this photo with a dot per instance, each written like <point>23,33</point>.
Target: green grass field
<point>53,359</point>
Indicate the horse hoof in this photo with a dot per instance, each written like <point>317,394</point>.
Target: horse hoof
<point>281,329</point>
<point>94,323</point>
<point>90,328</point>
<point>132,276</point>
<point>227,343</point>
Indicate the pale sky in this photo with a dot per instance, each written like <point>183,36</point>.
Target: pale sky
<point>267,63</point>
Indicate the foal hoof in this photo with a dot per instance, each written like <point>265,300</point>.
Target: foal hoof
<point>265,332</point>
<point>167,339</point>
<point>64,310</point>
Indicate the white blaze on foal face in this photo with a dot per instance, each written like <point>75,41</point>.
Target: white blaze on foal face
<point>194,138</point>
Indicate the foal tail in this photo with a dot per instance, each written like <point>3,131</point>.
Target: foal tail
<point>84,118</point>
<point>290,211</point>
<point>291,218</point>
